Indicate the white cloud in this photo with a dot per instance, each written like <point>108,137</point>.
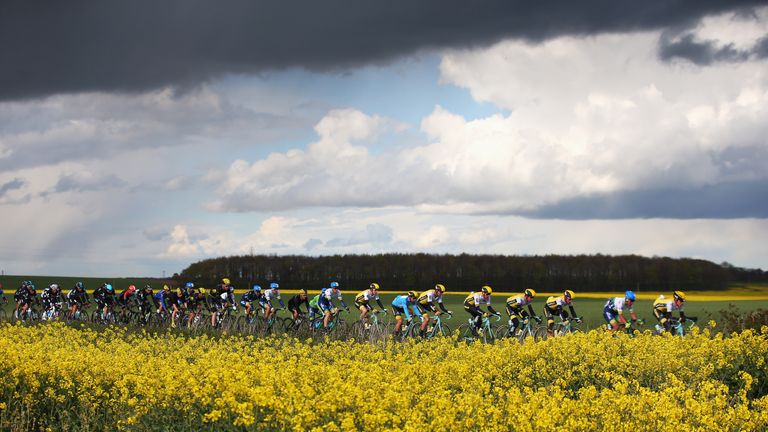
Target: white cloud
<point>181,245</point>
<point>586,115</point>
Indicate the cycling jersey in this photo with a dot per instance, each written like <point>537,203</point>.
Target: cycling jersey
<point>270,294</point>
<point>515,305</point>
<point>364,298</point>
<point>325,300</point>
<point>296,301</point>
<point>663,304</point>
<point>161,298</point>
<point>426,301</point>
<point>75,296</point>
<point>477,299</point>
<point>614,307</point>
<point>401,304</point>
<point>250,297</point>
<point>554,306</point>
<point>49,297</point>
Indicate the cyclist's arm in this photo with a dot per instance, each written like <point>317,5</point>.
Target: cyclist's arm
<point>492,310</point>
<point>381,305</point>
<point>442,307</point>
<point>530,310</point>
<point>573,312</point>
<point>282,305</point>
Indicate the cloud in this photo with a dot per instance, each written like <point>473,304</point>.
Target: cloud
<point>181,244</point>
<point>312,244</point>
<point>87,181</point>
<point>746,36</point>
<point>144,45</point>
<point>374,234</point>
<point>14,184</point>
<point>645,125</point>
<point>98,126</point>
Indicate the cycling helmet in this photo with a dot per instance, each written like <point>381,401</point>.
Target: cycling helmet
<point>440,287</point>
<point>166,288</point>
<point>374,286</point>
<point>530,293</point>
<point>303,291</point>
<point>79,285</point>
<point>54,286</point>
<point>486,290</point>
<point>274,285</point>
<point>225,281</point>
<point>179,292</point>
<point>679,295</point>
<point>630,296</point>
<point>109,287</point>
<point>569,294</point>
<point>147,287</point>
<point>412,294</point>
<point>190,285</point>
<point>334,284</point>
<point>256,288</point>
<point>132,287</point>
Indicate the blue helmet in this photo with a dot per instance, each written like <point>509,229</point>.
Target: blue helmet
<point>334,284</point>
<point>256,288</point>
<point>109,287</point>
<point>190,285</point>
<point>79,285</point>
<point>630,295</point>
<point>274,285</point>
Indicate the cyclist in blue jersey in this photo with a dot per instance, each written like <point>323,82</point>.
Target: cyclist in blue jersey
<point>404,304</point>
<point>161,299</point>
<point>247,300</point>
<point>325,302</point>
<point>266,300</point>
<point>613,312</point>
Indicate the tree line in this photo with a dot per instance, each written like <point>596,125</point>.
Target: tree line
<point>466,272</point>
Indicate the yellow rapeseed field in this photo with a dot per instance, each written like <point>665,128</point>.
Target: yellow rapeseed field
<point>62,378</point>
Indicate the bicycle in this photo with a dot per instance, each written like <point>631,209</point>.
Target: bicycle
<point>372,329</point>
<point>527,330</point>
<point>438,328</point>
<point>677,327</point>
<point>335,323</point>
<point>485,334</point>
<point>566,326</point>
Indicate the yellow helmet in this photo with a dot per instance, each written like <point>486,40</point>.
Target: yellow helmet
<point>374,286</point>
<point>166,287</point>
<point>412,294</point>
<point>225,281</point>
<point>530,292</point>
<point>201,290</point>
<point>679,295</point>
<point>569,294</point>
<point>440,287</point>
<point>486,289</point>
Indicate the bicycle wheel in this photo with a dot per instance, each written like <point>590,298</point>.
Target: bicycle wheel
<point>467,333</point>
<point>443,331</point>
<point>540,334</point>
<point>502,331</point>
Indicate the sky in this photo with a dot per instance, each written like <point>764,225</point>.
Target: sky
<point>139,137</point>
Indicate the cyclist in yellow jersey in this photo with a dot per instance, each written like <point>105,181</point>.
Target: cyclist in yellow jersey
<point>473,302</point>
<point>554,306</point>
<point>663,308</point>
<point>362,301</point>
<point>516,309</point>
<point>426,304</point>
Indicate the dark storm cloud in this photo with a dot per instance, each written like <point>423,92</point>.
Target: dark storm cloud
<point>14,184</point>
<point>705,53</point>
<point>722,201</point>
<point>70,46</point>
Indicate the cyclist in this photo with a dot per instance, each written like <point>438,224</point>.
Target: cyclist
<point>161,299</point>
<point>266,300</point>
<point>2,294</point>
<point>144,296</point>
<point>194,303</point>
<point>296,301</point>
<point>77,298</point>
<point>124,299</point>
<point>472,305</point>
<point>325,302</point>
<point>227,293</point>
<point>51,298</point>
<point>403,304</point>
<point>23,297</point>
<point>362,301</point>
<point>249,297</point>
<point>426,304</point>
<point>663,308</point>
<point>613,311</point>
<point>516,310</point>
<point>554,306</point>
<point>174,301</point>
